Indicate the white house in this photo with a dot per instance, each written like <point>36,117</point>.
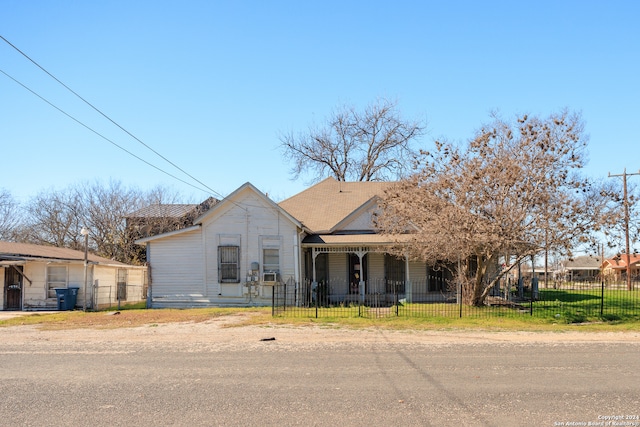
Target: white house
<point>321,241</point>
<point>233,254</point>
<point>31,273</point>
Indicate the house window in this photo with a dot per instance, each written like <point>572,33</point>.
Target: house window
<point>56,278</point>
<point>123,275</point>
<point>271,260</point>
<point>229,264</point>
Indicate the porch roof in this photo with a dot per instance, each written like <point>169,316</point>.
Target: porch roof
<point>352,239</point>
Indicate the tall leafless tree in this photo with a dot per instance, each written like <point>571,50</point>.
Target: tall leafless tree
<point>55,217</point>
<point>515,188</point>
<point>352,145</point>
<point>9,215</point>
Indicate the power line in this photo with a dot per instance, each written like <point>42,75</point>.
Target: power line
<point>111,120</point>
<point>99,134</point>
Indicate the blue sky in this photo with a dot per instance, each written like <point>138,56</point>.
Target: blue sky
<point>211,84</point>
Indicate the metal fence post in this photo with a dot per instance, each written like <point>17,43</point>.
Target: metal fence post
<point>531,304</point>
<point>601,296</point>
<point>396,301</point>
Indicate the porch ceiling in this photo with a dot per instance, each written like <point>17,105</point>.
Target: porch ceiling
<point>351,239</point>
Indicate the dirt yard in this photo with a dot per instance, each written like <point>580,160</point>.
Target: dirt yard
<point>191,327</point>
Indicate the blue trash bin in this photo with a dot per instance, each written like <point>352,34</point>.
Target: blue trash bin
<point>72,297</point>
<point>63,296</point>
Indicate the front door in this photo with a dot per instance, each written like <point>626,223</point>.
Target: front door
<point>13,288</point>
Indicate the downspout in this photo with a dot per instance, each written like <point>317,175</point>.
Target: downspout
<point>149,281</point>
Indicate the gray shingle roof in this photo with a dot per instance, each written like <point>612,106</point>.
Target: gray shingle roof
<point>321,207</point>
<point>163,211</point>
<point>584,262</point>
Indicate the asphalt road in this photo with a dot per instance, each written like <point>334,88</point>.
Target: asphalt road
<point>337,384</point>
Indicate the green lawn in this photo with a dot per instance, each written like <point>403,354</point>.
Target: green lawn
<point>552,306</point>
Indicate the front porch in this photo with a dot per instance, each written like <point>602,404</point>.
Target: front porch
<point>377,292</point>
<point>343,275</point>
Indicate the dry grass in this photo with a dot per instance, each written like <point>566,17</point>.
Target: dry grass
<point>233,317</point>
<point>134,318</point>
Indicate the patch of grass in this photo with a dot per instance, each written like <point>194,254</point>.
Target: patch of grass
<point>129,318</point>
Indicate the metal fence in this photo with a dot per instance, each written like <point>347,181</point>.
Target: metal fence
<point>562,301</point>
<point>122,294</point>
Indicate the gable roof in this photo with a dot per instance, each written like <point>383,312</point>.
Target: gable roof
<point>26,251</point>
<point>583,262</point>
<point>218,207</point>
<point>322,207</point>
<point>230,199</point>
<point>620,262</point>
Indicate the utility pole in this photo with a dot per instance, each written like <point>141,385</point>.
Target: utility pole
<point>625,202</point>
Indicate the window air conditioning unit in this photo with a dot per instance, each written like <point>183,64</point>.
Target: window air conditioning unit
<point>269,277</point>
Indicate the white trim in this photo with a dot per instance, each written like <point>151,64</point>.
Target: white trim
<point>167,234</point>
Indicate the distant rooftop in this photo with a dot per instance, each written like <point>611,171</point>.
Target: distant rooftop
<point>163,211</point>
<point>172,210</point>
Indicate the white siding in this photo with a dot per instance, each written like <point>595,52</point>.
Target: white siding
<point>184,266</point>
<point>177,265</point>
<point>35,293</point>
<point>338,272</point>
<point>418,276</point>
<point>361,222</point>
<point>375,266</point>
<point>101,284</point>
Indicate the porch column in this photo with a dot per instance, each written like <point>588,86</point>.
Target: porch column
<point>314,282</point>
<point>313,262</point>
<point>408,286</point>
<point>361,284</point>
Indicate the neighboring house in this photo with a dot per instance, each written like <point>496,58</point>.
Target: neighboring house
<point>616,268</point>
<point>30,273</point>
<point>320,241</point>
<point>161,218</point>
<point>538,272</point>
<point>580,268</point>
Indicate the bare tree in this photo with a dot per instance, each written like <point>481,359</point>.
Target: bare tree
<point>104,210</point>
<point>514,189</point>
<point>9,215</point>
<point>54,218</point>
<point>375,144</point>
